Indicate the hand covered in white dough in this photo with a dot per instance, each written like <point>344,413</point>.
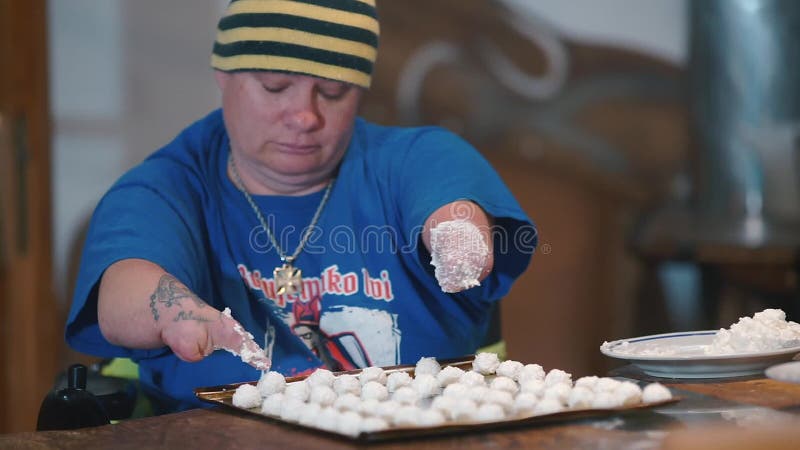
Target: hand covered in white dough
<point>194,338</point>
<point>459,253</point>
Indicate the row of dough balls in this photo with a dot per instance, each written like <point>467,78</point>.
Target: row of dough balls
<point>375,400</point>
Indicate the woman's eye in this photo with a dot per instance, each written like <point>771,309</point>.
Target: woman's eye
<point>334,93</point>
<point>274,88</point>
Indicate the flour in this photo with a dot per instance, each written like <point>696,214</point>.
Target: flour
<point>766,331</point>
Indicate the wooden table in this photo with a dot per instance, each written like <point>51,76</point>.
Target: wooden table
<point>733,405</point>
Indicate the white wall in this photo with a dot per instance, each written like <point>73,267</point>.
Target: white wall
<point>125,78</point>
<point>658,27</point>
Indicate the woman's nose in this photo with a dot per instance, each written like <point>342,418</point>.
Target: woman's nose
<point>304,114</point>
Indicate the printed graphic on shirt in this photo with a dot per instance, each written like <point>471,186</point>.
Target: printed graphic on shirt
<point>378,332</point>
<point>343,337</point>
<point>330,282</point>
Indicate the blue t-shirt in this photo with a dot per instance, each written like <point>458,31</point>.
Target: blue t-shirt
<point>369,294</point>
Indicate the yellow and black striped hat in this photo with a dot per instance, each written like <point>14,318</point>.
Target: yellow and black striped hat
<point>333,39</point>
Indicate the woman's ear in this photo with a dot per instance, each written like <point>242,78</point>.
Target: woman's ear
<point>221,78</point>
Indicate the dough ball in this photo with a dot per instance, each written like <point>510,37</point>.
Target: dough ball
<point>535,387</point>
<point>322,395</point>
<point>530,372</point>
<point>369,407</point>
<point>347,402</point>
<point>605,400</point>
<point>298,390</point>
<point>587,382</point>
<point>431,418</point>
<point>489,412</point>
<point>559,392</point>
<point>457,390</point>
<point>471,378</point>
<point>580,397</point>
<point>605,384</point>
<point>386,409</point>
<point>547,406</point>
<point>321,377</point>
<point>396,380</point>
<point>406,395</point>
<point>328,419</point>
<point>426,385</point>
<point>291,408</point>
<point>478,393</point>
<point>272,404</point>
<point>375,390</point>
<point>407,415</point>
<point>525,403</point>
<point>309,414</point>
<point>347,383</point>
<point>247,396</point>
<point>504,384</point>
<point>271,383</point>
<point>372,374</point>
<point>629,394</point>
<point>510,369</point>
<point>463,409</point>
<point>349,423</point>
<point>373,424</point>
<point>427,366</point>
<point>655,392</point>
<point>485,363</point>
<point>443,404</point>
<point>557,376</point>
<point>501,398</point>
<point>449,375</point>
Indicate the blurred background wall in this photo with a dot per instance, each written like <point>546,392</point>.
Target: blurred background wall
<point>126,79</point>
<point>582,106</point>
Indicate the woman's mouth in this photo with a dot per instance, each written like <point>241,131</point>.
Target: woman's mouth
<point>298,149</point>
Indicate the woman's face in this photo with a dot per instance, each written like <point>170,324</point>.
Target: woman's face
<point>288,132</point>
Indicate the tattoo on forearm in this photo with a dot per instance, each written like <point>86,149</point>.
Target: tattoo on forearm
<point>183,315</point>
<point>171,292</point>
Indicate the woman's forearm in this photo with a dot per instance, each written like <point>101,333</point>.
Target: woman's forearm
<point>138,301</point>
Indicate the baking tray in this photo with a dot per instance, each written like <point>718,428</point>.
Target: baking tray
<point>222,396</point>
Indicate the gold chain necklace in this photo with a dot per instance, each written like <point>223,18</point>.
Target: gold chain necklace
<point>288,279</point>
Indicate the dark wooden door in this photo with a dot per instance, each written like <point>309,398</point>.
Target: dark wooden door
<point>30,332</point>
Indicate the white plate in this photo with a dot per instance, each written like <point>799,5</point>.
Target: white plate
<point>681,355</point>
<point>787,372</point>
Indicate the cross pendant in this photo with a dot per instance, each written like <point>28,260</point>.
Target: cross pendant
<point>288,280</point>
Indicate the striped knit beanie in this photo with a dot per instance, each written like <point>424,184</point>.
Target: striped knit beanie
<point>333,39</point>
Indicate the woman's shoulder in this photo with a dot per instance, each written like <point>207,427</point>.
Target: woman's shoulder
<point>187,163</point>
<point>375,141</point>
<point>377,134</point>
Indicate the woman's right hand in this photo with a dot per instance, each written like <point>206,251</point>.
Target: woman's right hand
<point>142,306</point>
<point>198,334</point>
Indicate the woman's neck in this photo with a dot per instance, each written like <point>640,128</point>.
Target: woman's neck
<point>262,183</point>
